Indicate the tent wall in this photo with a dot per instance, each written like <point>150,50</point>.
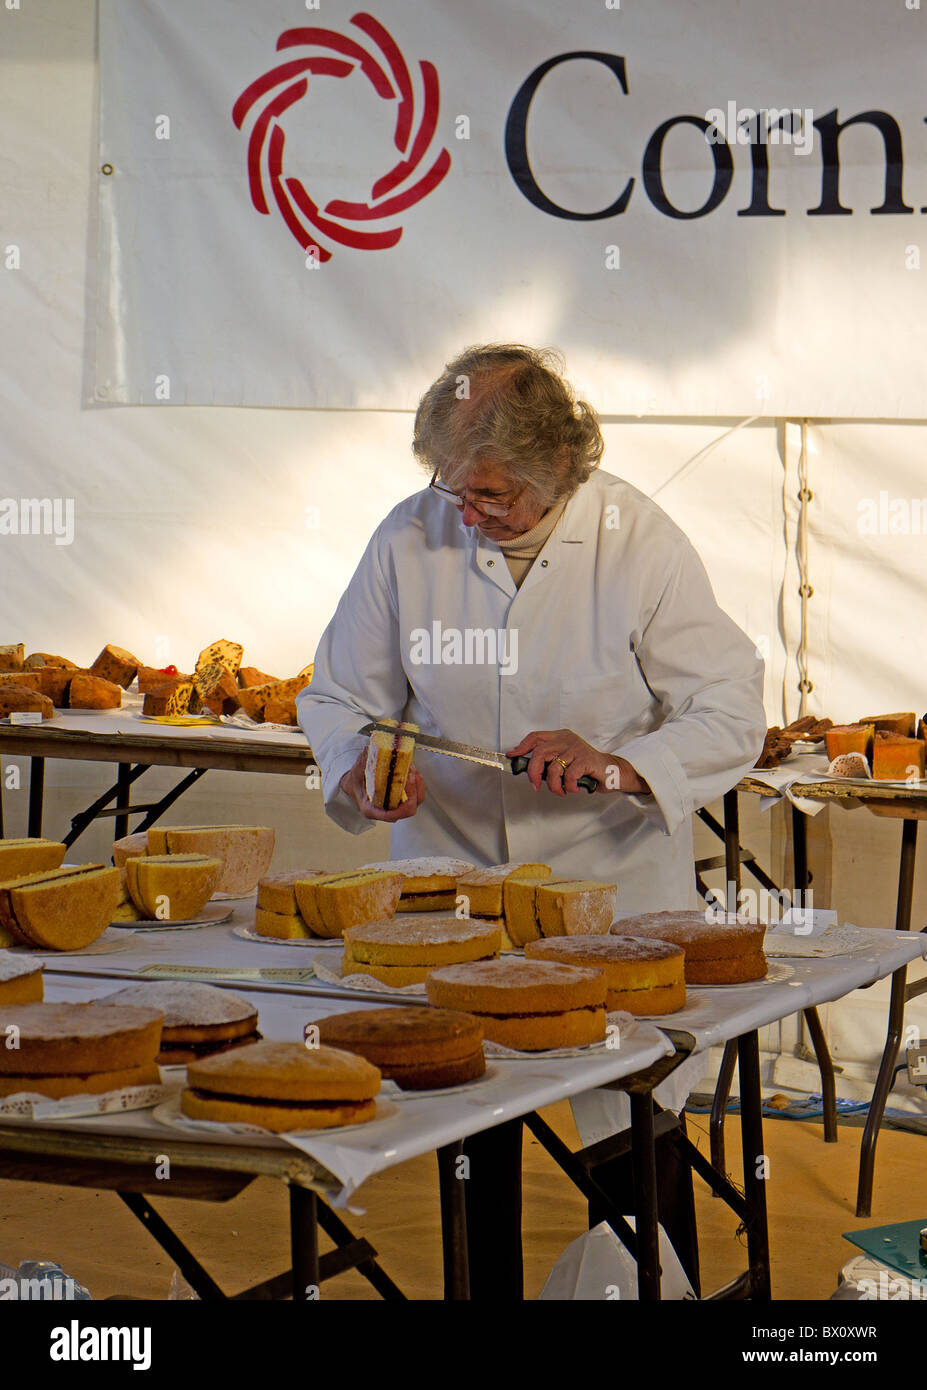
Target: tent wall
<point>195,523</point>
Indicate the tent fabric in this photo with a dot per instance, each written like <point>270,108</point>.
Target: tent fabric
<point>314,212</point>
<point>195,523</point>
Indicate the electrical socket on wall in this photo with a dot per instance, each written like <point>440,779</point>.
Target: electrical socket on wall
<point>916,1058</point>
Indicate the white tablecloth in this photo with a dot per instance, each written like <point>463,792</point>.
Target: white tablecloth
<point>711,1016</point>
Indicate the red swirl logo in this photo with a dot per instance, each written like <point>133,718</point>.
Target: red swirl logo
<point>382,63</point>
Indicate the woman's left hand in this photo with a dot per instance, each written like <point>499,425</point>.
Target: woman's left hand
<point>568,757</point>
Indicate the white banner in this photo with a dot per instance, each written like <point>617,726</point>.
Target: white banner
<point>712,210</point>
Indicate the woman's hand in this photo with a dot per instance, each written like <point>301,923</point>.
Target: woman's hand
<point>353,784</point>
<point>550,746</point>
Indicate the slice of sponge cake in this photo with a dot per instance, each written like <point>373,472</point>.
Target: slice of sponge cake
<point>330,903</point>
<point>389,758</point>
<point>576,907</point>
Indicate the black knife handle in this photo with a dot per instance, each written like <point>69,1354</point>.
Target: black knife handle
<point>587,781</point>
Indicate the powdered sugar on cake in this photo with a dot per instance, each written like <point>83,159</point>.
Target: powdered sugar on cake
<point>436,867</point>
<point>185,1003</point>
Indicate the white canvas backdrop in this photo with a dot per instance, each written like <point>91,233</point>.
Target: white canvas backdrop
<point>205,300</point>
<point>189,524</point>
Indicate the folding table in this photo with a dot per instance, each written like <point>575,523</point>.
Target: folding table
<point>119,1151</point>
<point>482,1215</point>
<point>907,804</point>
<point>119,737</point>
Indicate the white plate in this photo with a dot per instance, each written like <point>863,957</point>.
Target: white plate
<point>358,979</point>
<point>109,941</point>
<point>396,1093</point>
<point>170,1114</point>
<point>249,934</point>
<point>776,972</point>
<point>188,720</point>
<point>209,917</point>
<point>19,1108</point>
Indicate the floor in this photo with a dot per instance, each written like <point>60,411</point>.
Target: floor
<point>812,1187</point>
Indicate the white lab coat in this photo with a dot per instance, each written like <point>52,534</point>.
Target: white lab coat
<point>618,637</point>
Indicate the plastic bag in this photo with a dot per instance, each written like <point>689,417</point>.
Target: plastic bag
<point>597,1266</point>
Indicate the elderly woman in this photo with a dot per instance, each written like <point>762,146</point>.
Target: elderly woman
<point>529,602</point>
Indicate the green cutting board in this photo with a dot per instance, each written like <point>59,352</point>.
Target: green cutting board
<point>897,1246</point>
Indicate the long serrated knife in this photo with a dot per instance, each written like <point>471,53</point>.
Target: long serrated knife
<point>470,752</point>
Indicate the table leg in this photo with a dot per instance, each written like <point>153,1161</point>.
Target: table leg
<point>123,797</point>
<point>800,878</point>
<point>203,1285</point>
<point>643,1157</point>
<point>492,1194</point>
<point>36,796</point>
<point>453,1221</point>
<point>304,1243</point>
<point>754,1158</point>
<point>828,1080</point>
<point>731,848</point>
<point>719,1106</point>
<point>906,875</point>
<point>732,891</point>
<point>895,1025</point>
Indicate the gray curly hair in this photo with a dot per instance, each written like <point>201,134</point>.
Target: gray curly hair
<point>508,404</point>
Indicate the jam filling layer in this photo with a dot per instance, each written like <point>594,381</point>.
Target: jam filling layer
<point>207,1048</point>
<point>284,1104</point>
<point>547,1013</point>
<point>389,777</point>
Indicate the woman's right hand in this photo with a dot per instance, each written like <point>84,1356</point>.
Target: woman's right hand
<point>353,784</point>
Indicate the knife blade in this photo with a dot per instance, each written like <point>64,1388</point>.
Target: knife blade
<point>471,753</point>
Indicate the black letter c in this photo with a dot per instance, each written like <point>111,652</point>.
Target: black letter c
<point>516,139</point>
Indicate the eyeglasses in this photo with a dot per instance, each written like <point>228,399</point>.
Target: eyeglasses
<point>486,508</point>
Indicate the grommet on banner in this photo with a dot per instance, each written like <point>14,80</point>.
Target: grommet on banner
<point>106,169</point>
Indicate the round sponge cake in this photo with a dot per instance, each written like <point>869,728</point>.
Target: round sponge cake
<point>645,977</point>
<point>78,1038</point>
<point>415,940</point>
<point>76,1049</point>
<point>528,1005</point>
<point>404,950</point>
<point>420,1049</point>
<point>717,953</point>
<point>282,1086</point>
<point>199,1019</point>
